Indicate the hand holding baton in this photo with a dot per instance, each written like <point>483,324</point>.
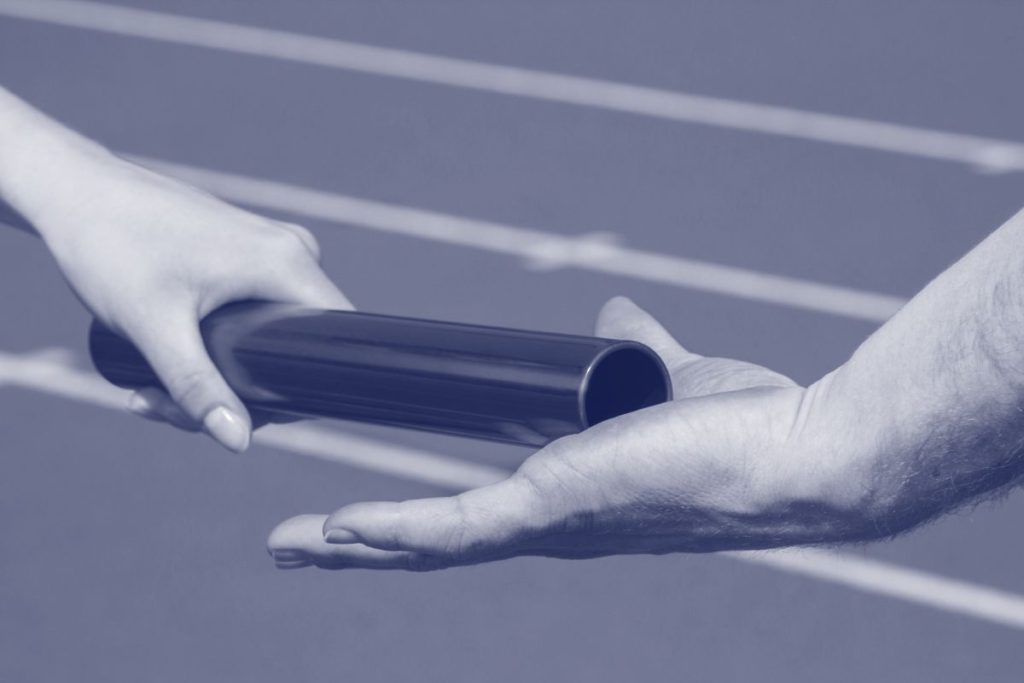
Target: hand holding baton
<point>509,385</point>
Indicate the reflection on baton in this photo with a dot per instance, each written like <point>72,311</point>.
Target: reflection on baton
<point>492,383</point>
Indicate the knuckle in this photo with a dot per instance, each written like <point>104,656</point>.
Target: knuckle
<point>295,241</point>
<point>301,231</point>
<point>189,388</point>
<point>291,244</point>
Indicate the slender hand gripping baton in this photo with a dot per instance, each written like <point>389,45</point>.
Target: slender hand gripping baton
<point>492,383</point>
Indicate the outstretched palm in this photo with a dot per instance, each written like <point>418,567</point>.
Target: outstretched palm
<point>695,474</point>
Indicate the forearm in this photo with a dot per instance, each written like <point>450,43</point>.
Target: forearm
<point>43,164</point>
<point>927,414</point>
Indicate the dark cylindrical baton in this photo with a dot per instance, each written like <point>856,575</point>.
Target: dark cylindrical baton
<point>485,382</point>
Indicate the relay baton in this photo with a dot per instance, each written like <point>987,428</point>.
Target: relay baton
<point>492,383</point>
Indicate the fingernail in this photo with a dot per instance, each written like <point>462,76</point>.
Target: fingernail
<point>288,555</point>
<point>290,559</point>
<point>340,536</point>
<point>140,405</point>
<point>293,565</point>
<point>228,428</point>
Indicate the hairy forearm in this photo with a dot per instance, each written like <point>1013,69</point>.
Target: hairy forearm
<point>927,414</point>
<point>43,164</point>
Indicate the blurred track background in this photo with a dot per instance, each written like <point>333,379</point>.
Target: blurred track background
<point>135,553</point>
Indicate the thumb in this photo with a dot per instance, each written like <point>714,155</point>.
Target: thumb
<point>620,318</point>
<point>693,375</point>
<point>174,349</point>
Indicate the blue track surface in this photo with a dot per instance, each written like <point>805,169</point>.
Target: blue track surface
<point>134,553</point>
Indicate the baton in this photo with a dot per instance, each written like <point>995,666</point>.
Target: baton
<point>516,386</point>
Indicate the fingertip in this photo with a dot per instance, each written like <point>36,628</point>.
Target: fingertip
<point>619,315</point>
<point>615,305</point>
<point>343,303</point>
<point>308,286</point>
<point>154,404</point>
<point>229,428</point>
<point>330,297</point>
<point>298,533</point>
<point>322,292</point>
<point>298,564</point>
<point>621,301</point>
<point>142,403</point>
<point>290,559</point>
<point>620,318</point>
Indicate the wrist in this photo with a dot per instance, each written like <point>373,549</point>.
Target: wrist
<point>829,480</point>
<point>53,180</point>
<point>45,168</point>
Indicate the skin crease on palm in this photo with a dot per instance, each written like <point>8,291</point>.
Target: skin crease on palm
<point>924,417</point>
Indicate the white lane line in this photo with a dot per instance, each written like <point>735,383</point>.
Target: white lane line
<point>539,248</point>
<point>889,580</point>
<point>986,154</point>
<point>369,454</point>
<point>50,372</point>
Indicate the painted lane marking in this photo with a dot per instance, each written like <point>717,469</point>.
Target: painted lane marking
<point>595,253</point>
<point>985,154</point>
<point>51,372</point>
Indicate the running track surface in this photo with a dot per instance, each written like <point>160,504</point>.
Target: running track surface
<point>132,552</point>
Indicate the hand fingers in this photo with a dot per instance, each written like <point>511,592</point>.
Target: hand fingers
<point>261,418</point>
<point>620,318</point>
<point>154,404</point>
<point>301,280</point>
<point>199,396</point>
<point>298,542</point>
<point>310,287</point>
<point>358,556</point>
<point>302,283</point>
<point>298,538</point>
<point>475,526</point>
<point>174,348</point>
<point>693,375</point>
<point>309,240</point>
